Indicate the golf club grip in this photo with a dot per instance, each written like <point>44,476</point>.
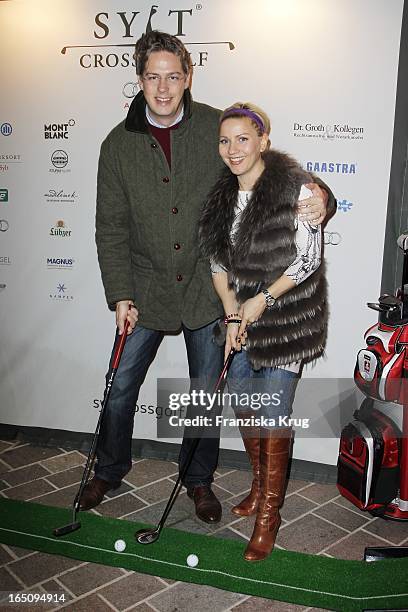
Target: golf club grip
<point>225,369</point>
<point>119,346</point>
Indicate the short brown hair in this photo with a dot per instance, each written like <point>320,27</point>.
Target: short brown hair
<point>160,41</point>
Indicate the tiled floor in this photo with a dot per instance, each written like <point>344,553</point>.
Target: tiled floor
<point>315,520</point>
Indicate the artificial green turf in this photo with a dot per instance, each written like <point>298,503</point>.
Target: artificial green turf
<point>286,576</point>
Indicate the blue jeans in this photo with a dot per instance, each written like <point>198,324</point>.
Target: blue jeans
<point>114,450</point>
<point>277,385</point>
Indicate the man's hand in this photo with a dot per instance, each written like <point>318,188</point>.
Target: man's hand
<point>313,209</point>
<point>126,310</point>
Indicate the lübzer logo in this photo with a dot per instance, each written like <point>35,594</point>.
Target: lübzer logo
<point>58,130</point>
<point>60,230</point>
<point>61,294</point>
<point>60,196</point>
<point>5,260</point>
<point>4,225</point>
<point>329,131</point>
<point>130,25</point>
<point>329,167</point>
<point>59,160</point>
<point>333,238</point>
<point>60,263</point>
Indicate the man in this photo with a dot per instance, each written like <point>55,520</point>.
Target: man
<point>155,170</point>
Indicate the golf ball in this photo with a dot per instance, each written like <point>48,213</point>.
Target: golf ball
<point>120,545</point>
<point>192,560</point>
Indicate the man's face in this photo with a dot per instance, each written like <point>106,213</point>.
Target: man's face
<point>163,83</point>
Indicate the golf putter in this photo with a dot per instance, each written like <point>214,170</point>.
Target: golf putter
<point>148,536</point>
<point>74,525</point>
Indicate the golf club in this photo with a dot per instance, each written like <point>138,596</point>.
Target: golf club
<point>148,536</point>
<point>74,525</point>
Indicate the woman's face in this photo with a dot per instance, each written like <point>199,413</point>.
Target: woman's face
<point>240,148</point>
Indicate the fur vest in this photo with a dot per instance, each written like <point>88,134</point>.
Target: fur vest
<point>264,247</point>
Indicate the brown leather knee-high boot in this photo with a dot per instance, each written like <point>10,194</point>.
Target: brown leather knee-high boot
<point>274,457</point>
<point>250,437</point>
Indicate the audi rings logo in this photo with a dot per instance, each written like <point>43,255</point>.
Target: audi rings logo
<point>4,225</point>
<point>332,238</point>
<point>59,159</point>
<point>130,89</point>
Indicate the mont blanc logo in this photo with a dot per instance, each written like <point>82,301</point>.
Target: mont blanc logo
<point>61,294</point>
<point>115,32</point>
<point>60,230</point>
<point>59,160</point>
<point>330,167</point>
<point>61,196</point>
<point>60,263</point>
<point>328,131</point>
<point>58,130</point>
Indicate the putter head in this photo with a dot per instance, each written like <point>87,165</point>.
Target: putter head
<point>147,536</point>
<point>66,529</point>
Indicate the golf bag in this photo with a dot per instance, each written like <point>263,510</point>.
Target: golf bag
<point>369,458</point>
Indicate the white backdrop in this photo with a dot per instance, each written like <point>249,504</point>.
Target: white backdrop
<point>324,70</point>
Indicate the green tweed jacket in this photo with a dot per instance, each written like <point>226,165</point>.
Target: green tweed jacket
<point>147,216</point>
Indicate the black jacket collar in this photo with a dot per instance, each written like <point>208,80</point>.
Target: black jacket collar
<point>136,118</point>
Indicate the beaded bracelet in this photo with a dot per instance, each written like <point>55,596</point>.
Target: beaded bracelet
<point>230,316</point>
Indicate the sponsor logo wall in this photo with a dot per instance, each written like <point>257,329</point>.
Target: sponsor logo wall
<point>48,161</point>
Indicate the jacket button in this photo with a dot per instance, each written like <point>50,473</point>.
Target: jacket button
<point>179,277</point>
<point>166,179</point>
<point>174,210</point>
<point>153,145</point>
<point>177,246</point>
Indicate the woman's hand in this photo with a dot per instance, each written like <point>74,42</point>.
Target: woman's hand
<point>232,340</point>
<point>250,311</point>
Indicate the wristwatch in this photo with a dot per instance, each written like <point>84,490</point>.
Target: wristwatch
<point>270,301</point>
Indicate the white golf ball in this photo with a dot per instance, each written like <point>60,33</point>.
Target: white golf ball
<point>120,545</point>
<point>192,560</point>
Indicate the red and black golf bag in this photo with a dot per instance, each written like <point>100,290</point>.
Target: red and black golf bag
<point>371,468</point>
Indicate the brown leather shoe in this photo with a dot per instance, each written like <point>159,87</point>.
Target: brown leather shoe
<point>94,492</point>
<point>250,436</point>
<point>207,506</point>
<point>274,457</point>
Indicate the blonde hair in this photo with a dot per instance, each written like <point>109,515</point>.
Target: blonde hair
<point>256,115</point>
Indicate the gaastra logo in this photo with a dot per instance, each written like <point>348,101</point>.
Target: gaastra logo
<point>60,263</point>
<point>60,229</point>
<point>58,130</point>
<point>335,167</point>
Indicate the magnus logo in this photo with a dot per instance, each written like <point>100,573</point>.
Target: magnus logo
<point>329,131</point>
<point>6,129</point>
<point>344,205</point>
<point>60,196</point>
<point>59,160</point>
<point>60,230</point>
<point>61,294</point>
<point>4,195</point>
<point>59,263</point>
<point>5,260</point>
<point>127,27</point>
<point>335,167</point>
<point>58,130</point>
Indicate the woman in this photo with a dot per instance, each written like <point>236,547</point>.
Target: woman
<point>267,271</point>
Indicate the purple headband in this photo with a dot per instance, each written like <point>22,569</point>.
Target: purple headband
<point>248,113</point>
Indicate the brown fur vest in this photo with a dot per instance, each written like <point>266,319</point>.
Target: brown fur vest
<point>296,328</point>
